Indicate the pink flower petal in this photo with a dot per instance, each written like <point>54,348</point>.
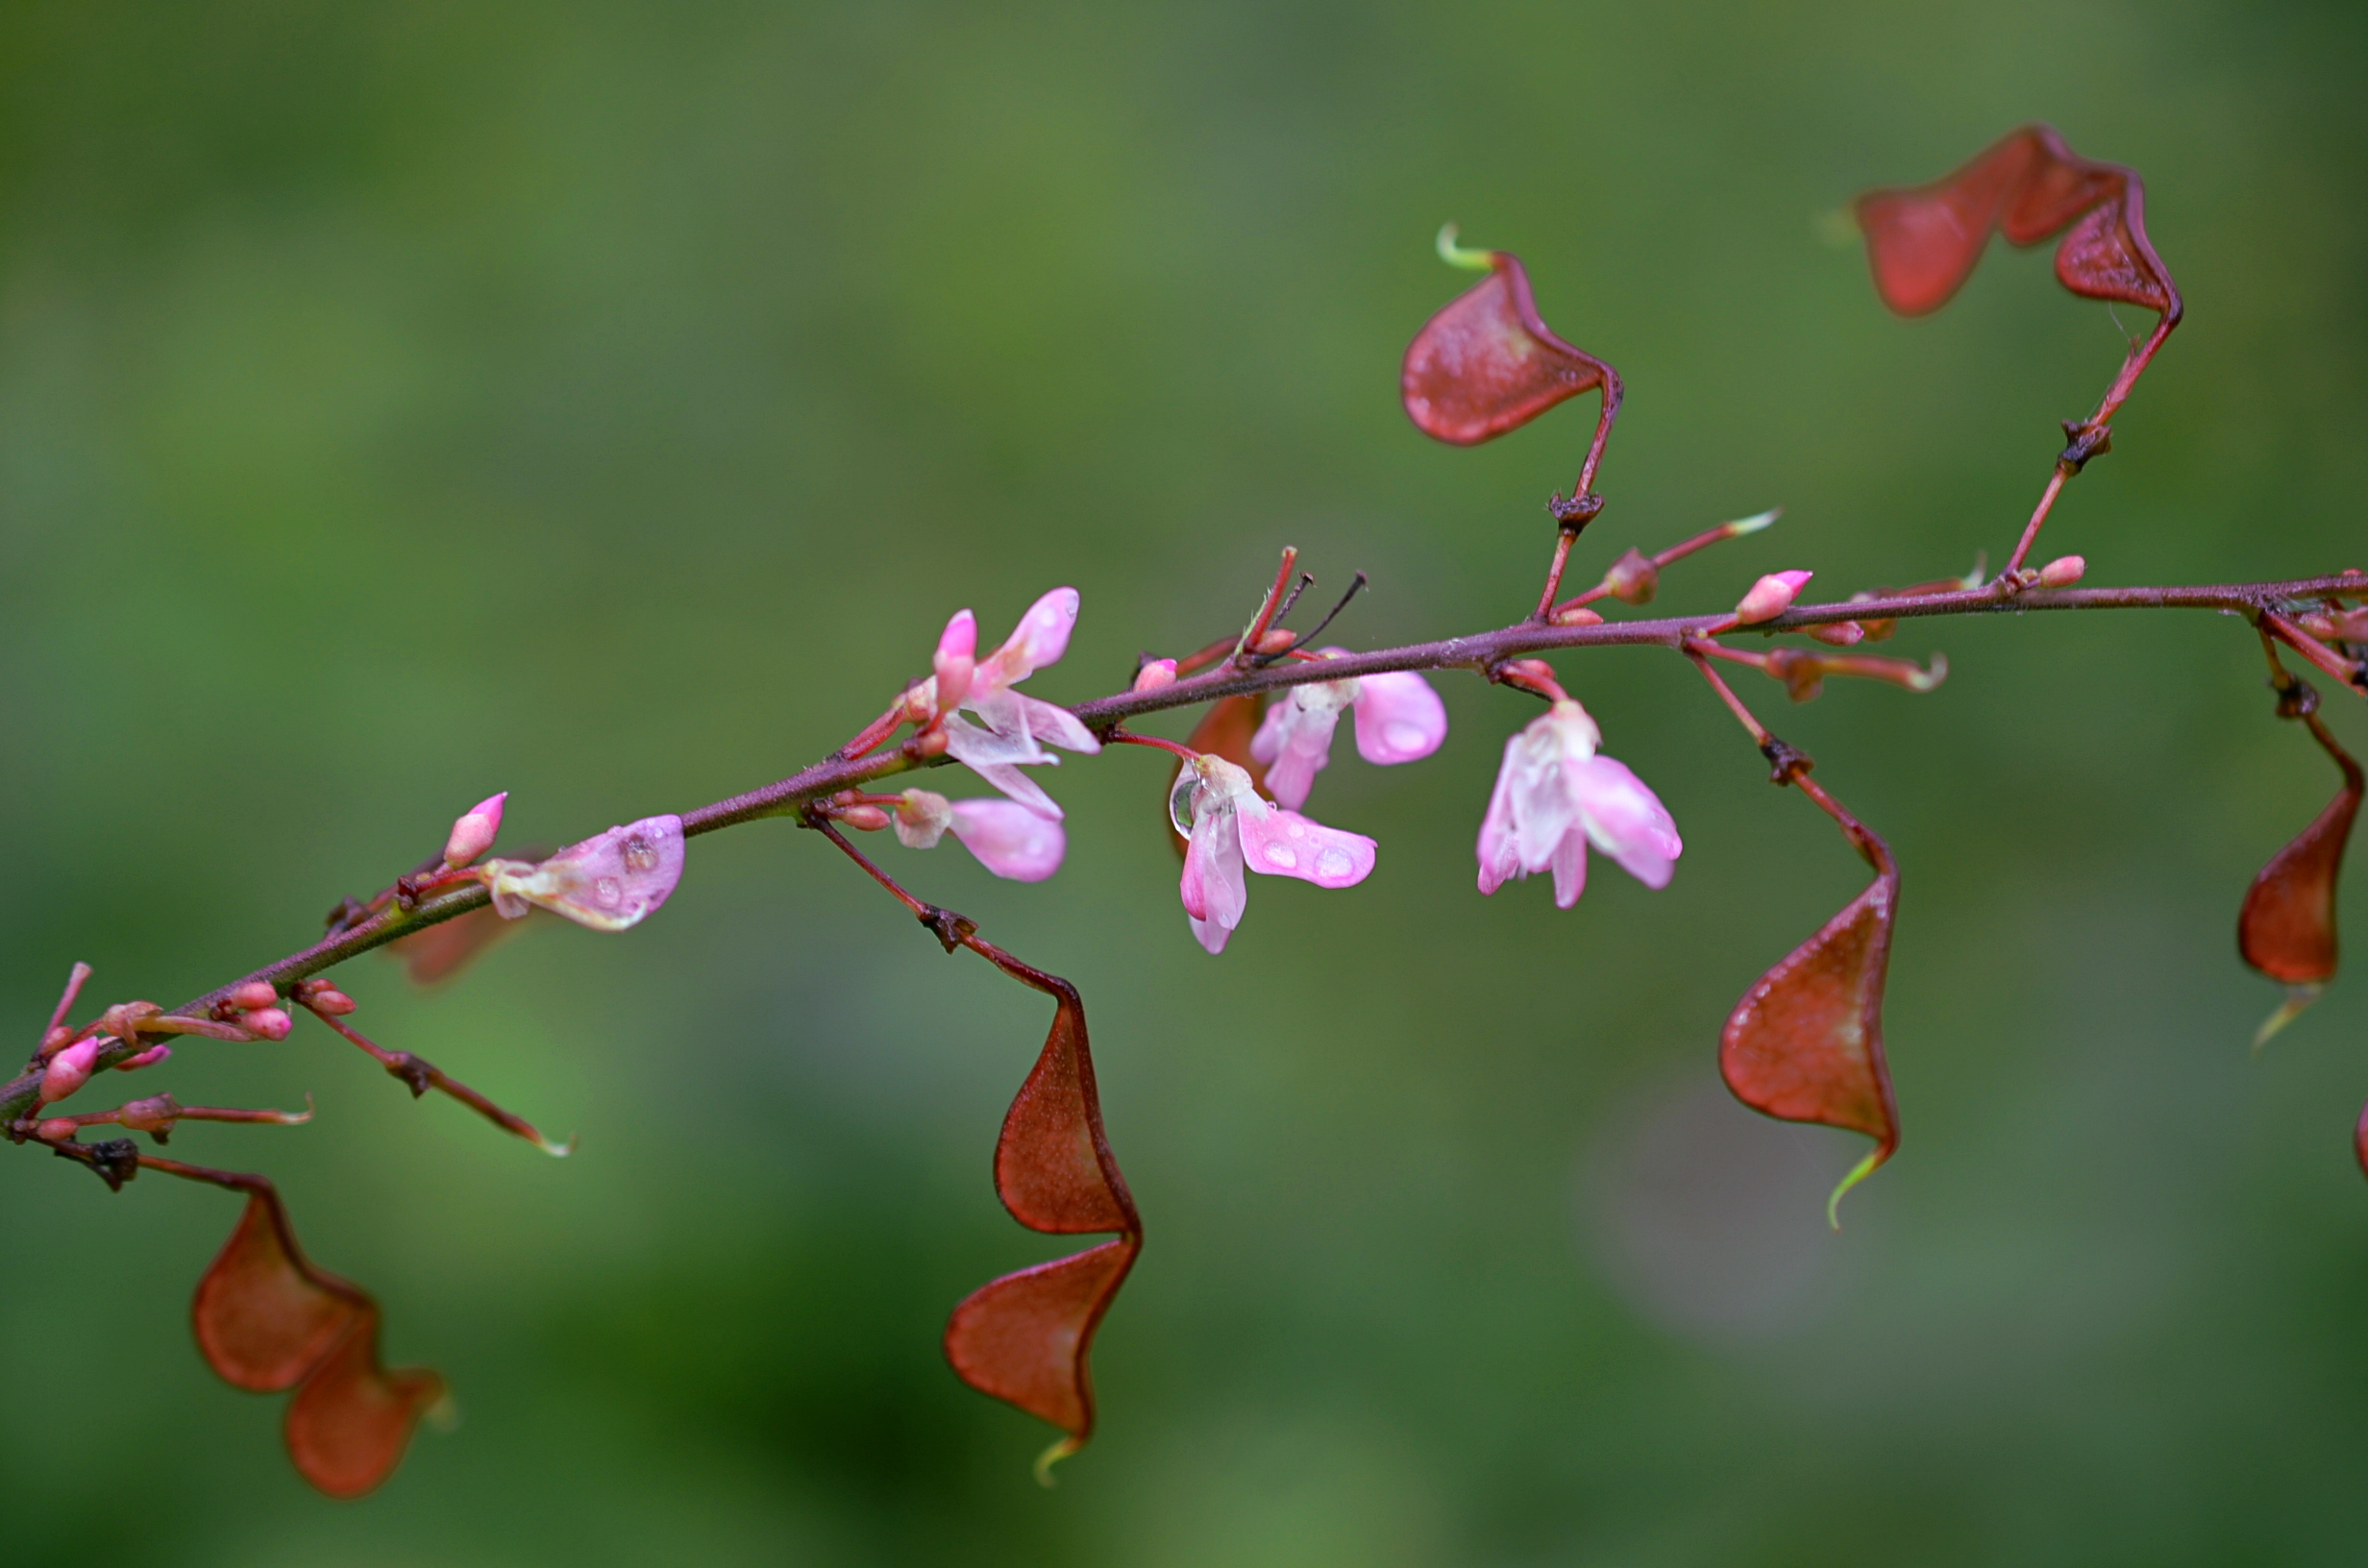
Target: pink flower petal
<point>956,660</point>
<point>1500,857</point>
<point>1296,744</point>
<point>1213,889</point>
<point>1279,842</point>
<point>996,758</point>
<point>1053,725</point>
<point>1399,718</point>
<point>1040,639</point>
<point>1625,819</point>
<point>1010,840</point>
<point>610,883</point>
<point>1569,868</point>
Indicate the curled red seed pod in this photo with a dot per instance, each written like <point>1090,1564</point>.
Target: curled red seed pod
<point>1487,364</point>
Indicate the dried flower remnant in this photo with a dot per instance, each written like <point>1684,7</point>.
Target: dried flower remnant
<point>1806,1042</point>
<point>2287,928</point>
<point>611,882</point>
<point>1230,829</point>
<point>1555,793</point>
<point>1026,1338</point>
<point>267,1320</point>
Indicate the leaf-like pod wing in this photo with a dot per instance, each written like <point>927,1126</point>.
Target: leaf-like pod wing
<point>263,1316</point>
<point>1923,242</point>
<point>1806,1042</point>
<point>348,1426</point>
<point>1486,364</point>
<point>1026,1338</point>
<point>2287,927</point>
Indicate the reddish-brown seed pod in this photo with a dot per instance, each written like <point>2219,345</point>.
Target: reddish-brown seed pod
<point>1923,242</point>
<point>2287,928</point>
<point>1225,731</point>
<point>1487,364</point>
<point>267,1320</point>
<point>263,1318</point>
<point>438,952</point>
<point>1026,1338</point>
<point>2359,1141</point>
<point>348,1426</point>
<point>1806,1042</point>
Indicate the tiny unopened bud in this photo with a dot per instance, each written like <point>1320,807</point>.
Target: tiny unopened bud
<point>1578,615</point>
<point>148,1115</point>
<point>69,1070</point>
<point>1771,597</point>
<point>864,819</point>
<point>474,831</point>
<point>2063,570</point>
<point>1155,675</point>
<point>322,996</point>
<point>59,1034</point>
<point>268,1023</point>
<point>253,995</point>
<point>1839,633</point>
<point>57,1130</point>
<point>148,1058</point>
<point>1633,579</point>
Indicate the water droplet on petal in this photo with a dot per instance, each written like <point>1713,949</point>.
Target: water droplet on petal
<point>1403,735</point>
<point>1298,830</point>
<point>1334,863</point>
<point>607,892</point>
<point>1280,854</point>
<point>640,855</point>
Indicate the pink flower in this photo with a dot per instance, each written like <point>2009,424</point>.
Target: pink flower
<point>1554,795</point>
<point>474,833</point>
<point>1771,597</point>
<point>1399,719</point>
<point>1011,725</point>
<point>1230,829</point>
<point>610,882</point>
<point>1009,840</point>
<point>69,1069</point>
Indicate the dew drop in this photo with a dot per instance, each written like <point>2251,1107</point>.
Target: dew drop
<point>607,892</point>
<point>640,855</point>
<point>1280,854</point>
<point>1298,830</point>
<point>1403,735</point>
<point>1334,863</point>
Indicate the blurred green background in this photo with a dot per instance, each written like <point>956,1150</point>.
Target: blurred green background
<point>609,403</point>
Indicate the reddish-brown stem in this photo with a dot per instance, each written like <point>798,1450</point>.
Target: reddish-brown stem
<point>874,732</point>
<point>420,1075</point>
<point>1694,651</point>
<point>1268,608</point>
<point>1128,736</point>
<point>1480,652</point>
<point>1668,557</point>
<point>1564,537</point>
<point>2038,516</point>
<point>2310,648</point>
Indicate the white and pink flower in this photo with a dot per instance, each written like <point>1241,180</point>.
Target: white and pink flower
<point>1013,728</point>
<point>1398,719</point>
<point>1231,829</point>
<point>1555,794</point>
<point>1009,840</point>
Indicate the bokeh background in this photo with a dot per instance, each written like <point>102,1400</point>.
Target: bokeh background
<point>607,403</point>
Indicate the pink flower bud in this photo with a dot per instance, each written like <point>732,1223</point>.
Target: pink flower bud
<point>1771,597</point>
<point>322,997</point>
<point>956,660</point>
<point>864,819</point>
<point>1155,675</point>
<point>148,1058</point>
<point>474,832</point>
<point>1633,579</point>
<point>1577,616</point>
<point>69,1069</point>
<point>253,995</point>
<point>2063,570</point>
<point>268,1023</point>
<point>57,1130</point>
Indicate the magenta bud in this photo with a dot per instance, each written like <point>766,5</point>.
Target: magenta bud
<point>2063,570</point>
<point>474,833</point>
<point>864,819</point>
<point>1155,675</point>
<point>268,1023</point>
<point>254,994</point>
<point>1577,615</point>
<point>1771,597</point>
<point>956,660</point>
<point>330,1000</point>
<point>69,1070</point>
<point>148,1058</point>
<point>57,1130</point>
